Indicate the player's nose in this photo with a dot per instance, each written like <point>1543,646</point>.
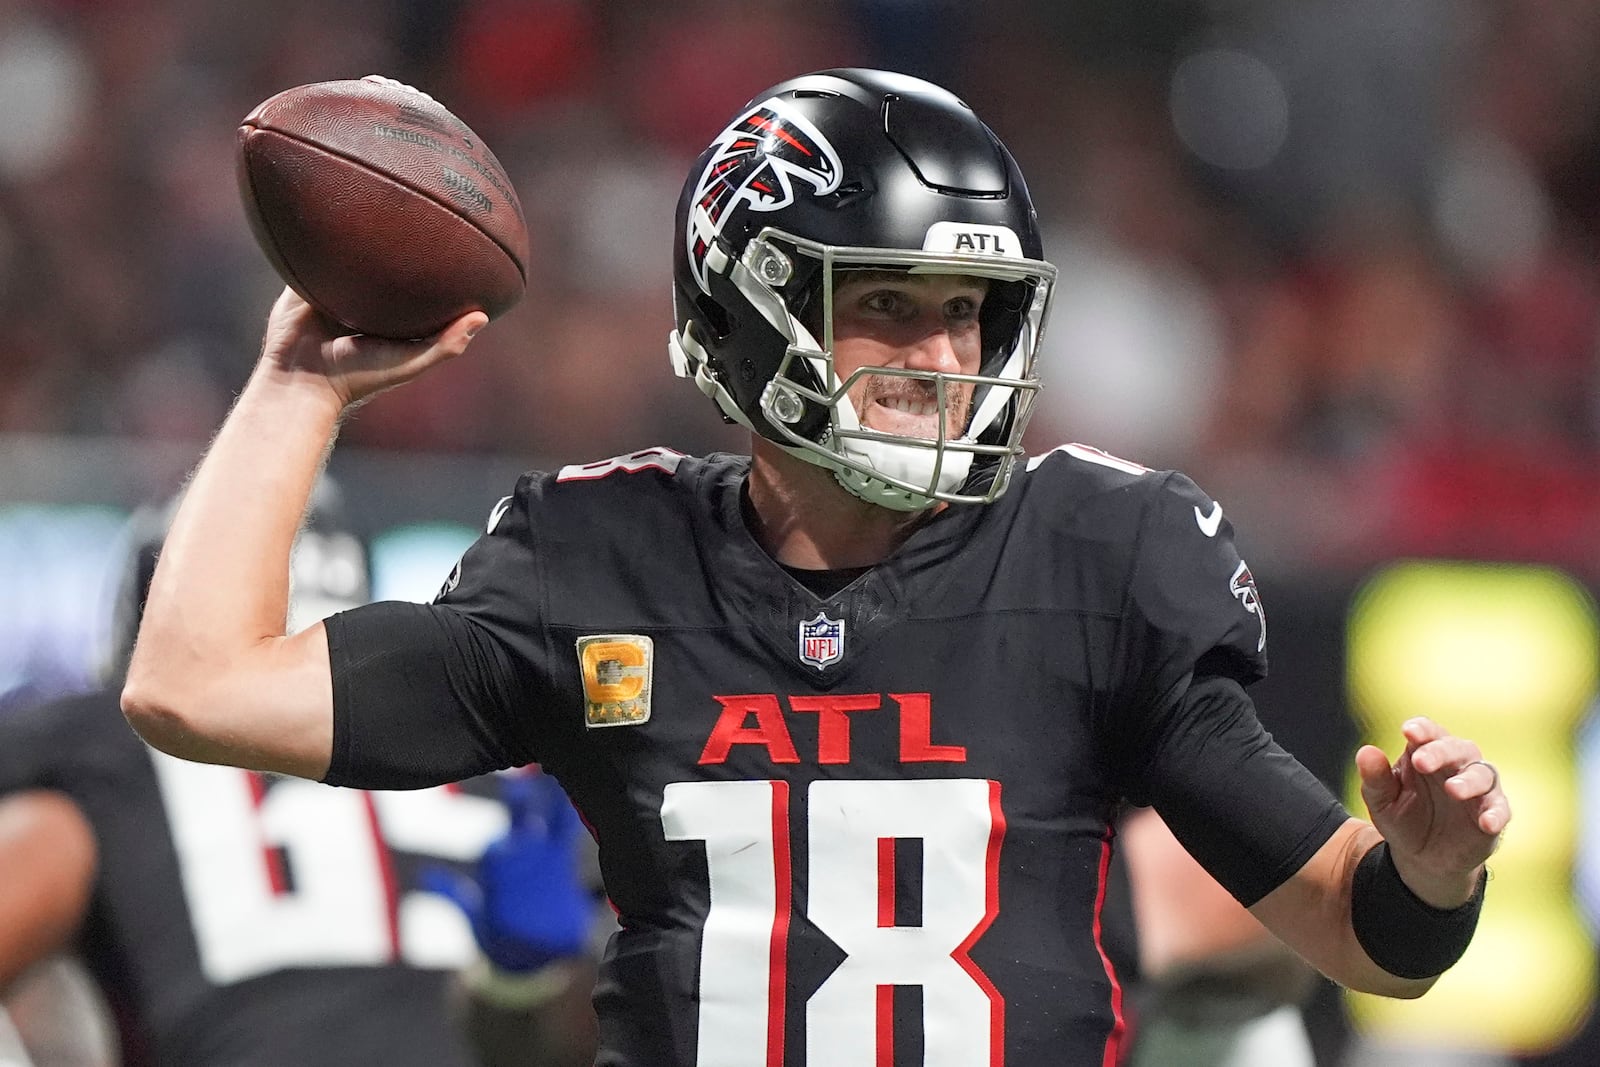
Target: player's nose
<point>935,351</point>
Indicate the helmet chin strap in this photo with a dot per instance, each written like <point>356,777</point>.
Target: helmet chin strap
<point>876,491</point>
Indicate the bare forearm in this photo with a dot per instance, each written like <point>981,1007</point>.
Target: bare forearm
<point>231,537</point>
<point>210,661</point>
<point>1311,912</point>
<point>213,677</point>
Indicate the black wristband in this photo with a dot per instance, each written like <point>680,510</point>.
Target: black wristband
<point>1401,933</point>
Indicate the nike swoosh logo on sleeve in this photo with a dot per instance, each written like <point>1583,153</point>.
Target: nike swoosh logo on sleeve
<point>1209,524</point>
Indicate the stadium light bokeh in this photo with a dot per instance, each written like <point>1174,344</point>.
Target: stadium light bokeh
<point>1506,655</point>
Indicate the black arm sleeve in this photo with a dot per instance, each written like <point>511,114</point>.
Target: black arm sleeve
<point>422,695</point>
<point>1242,806</point>
<point>1194,634</point>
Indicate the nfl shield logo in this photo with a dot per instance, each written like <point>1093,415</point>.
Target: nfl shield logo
<point>821,641</point>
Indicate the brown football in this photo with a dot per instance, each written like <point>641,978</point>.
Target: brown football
<point>380,207</point>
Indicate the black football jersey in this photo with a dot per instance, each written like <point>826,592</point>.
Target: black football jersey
<point>868,829</point>
<point>239,919</point>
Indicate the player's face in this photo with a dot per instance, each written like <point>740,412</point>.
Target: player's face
<point>924,322</point>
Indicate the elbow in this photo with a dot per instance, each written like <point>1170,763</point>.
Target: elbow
<point>1381,983</point>
<point>1399,989</point>
<point>157,716</point>
<point>1406,989</point>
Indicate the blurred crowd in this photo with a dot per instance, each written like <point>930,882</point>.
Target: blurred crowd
<point>1338,259</point>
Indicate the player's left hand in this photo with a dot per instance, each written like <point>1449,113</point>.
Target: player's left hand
<point>1440,807</point>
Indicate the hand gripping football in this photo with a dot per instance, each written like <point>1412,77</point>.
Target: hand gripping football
<point>380,207</point>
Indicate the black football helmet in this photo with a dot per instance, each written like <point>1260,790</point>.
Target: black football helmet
<point>857,169</point>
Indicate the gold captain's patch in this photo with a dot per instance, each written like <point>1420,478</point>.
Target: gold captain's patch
<point>616,672</point>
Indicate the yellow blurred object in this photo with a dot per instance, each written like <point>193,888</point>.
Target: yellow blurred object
<point>1507,656</point>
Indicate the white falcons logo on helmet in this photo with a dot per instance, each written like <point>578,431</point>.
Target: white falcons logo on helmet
<point>757,161</point>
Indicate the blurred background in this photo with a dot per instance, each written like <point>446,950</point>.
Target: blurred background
<point>1339,260</point>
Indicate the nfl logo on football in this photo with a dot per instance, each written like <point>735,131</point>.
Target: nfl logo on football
<point>821,641</point>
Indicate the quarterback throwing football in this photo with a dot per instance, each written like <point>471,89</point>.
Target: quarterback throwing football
<point>851,716</point>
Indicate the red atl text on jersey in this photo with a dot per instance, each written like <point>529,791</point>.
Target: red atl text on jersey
<point>833,726</point>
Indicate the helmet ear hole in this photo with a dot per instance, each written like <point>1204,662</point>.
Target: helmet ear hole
<point>803,296</point>
<point>714,315</point>
<point>1000,320</point>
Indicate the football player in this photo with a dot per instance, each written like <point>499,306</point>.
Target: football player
<point>851,716</point>
<point>242,918</point>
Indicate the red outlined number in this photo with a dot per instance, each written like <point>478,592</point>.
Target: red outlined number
<point>850,836</point>
<point>299,874</point>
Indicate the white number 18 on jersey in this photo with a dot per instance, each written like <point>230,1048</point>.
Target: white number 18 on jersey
<point>851,830</point>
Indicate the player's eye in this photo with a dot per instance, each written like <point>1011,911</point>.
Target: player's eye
<point>887,302</point>
<point>961,309</point>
